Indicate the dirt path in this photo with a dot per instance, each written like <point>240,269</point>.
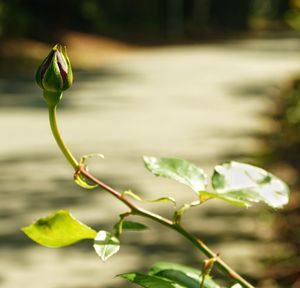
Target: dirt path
<point>198,102</point>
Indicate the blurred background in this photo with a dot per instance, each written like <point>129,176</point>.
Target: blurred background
<point>203,80</point>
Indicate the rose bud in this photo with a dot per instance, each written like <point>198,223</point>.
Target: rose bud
<point>55,73</point>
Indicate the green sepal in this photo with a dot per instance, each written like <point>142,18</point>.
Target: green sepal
<point>52,98</point>
<point>52,80</point>
<point>55,73</point>
<point>69,80</point>
<point>41,69</point>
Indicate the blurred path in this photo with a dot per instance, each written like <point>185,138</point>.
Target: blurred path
<point>194,102</point>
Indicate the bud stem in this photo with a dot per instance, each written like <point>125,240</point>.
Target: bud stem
<point>64,149</point>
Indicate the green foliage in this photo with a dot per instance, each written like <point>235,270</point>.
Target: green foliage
<point>292,16</point>
<point>184,275</point>
<point>130,225</point>
<point>169,274</point>
<point>148,281</point>
<point>58,229</point>
<point>138,198</point>
<point>178,170</point>
<point>106,245</point>
<point>244,183</point>
<point>237,183</point>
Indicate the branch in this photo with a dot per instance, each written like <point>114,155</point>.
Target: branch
<point>135,210</point>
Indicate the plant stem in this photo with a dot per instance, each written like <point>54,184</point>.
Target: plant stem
<point>174,226</point>
<point>135,210</point>
<point>54,128</point>
<point>202,281</point>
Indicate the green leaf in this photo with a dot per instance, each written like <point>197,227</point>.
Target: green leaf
<point>237,286</point>
<point>179,170</point>
<point>182,275</point>
<point>186,281</point>
<point>161,266</point>
<point>58,229</point>
<point>148,281</point>
<point>179,278</point>
<point>130,225</point>
<point>106,245</point>
<point>243,184</point>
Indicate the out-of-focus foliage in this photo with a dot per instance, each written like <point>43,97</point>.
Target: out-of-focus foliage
<point>266,14</point>
<point>283,151</point>
<point>284,141</point>
<point>135,19</point>
<point>293,15</point>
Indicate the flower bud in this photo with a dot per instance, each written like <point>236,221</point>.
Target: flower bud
<point>55,73</point>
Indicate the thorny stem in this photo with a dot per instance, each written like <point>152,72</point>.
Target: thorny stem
<point>135,210</point>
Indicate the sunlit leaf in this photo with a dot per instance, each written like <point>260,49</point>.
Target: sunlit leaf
<point>58,229</point>
<point>180,274</point>
<point>106,244</point>
<point>179,170</point>
<point>237,286</point>
<point>148,281</point>
<point>130,225</point>
<point>245,184</point>
<point>292,17</point>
